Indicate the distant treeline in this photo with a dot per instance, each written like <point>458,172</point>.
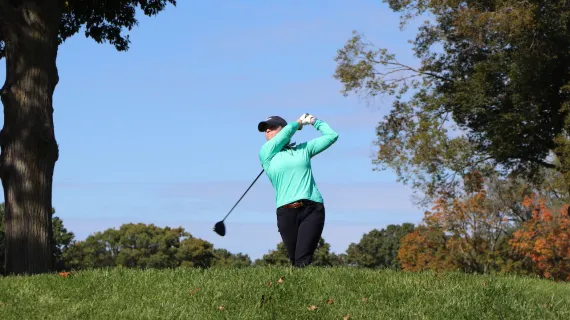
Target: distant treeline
<point>461,235</point>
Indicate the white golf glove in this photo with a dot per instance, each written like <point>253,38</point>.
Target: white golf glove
<point>306,118</point>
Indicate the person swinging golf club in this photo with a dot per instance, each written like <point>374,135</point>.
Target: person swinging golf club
<point>300,205</point>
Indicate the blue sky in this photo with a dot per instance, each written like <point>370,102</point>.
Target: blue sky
<point>166,132</point>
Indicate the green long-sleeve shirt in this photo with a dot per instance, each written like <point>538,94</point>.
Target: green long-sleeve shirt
<point>289,169</point>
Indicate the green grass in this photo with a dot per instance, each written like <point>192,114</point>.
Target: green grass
<point>173,294</point>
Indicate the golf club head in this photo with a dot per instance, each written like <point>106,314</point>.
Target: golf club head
<point>220,228</point>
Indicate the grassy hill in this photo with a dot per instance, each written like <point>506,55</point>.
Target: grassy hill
<point>257,293</point>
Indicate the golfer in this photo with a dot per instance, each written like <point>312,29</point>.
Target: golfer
<point>300,208</point>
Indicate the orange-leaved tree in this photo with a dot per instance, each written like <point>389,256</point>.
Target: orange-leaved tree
<point>459,233</point>
<point>425,249</point>
<point>545,240</point>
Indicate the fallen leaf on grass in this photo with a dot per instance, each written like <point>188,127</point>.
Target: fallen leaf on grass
<point>64,274</point>
<point>346,317</point>
<point>268,283</point>
<point>281,280</point>
<point>222,308</point>
<point>365,299</point>
<point>2,304</point>
<point>194,291</point>
<point>330,301</point>
<point>313,307</point>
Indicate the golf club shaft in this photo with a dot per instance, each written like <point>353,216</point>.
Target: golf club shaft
<point>259,175</point>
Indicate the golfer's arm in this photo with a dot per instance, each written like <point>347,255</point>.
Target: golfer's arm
<point>320,144</point>
<point>273,146</point>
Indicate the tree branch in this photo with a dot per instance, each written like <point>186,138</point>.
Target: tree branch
<point>390,81</point>
<point>403,67</point>
<point>443,122</point>
<point>481,160</point>
<point>394,70</point>
<point>545,164</point>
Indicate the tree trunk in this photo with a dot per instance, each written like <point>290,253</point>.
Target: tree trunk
<point>29,148</point>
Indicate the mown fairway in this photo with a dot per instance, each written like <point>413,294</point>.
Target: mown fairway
<point>257,293</point>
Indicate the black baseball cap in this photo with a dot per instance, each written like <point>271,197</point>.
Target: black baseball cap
<point>273,121</point>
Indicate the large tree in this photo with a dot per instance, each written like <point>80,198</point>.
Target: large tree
<point>30,33</point>
<point>139,245</point>
<point>379,248</point>
<point>323,257</point>
<point>226,259</point>
<point>491,92</point>
<point>59,243</point>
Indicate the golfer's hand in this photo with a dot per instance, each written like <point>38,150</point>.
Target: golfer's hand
<point>307,118</point>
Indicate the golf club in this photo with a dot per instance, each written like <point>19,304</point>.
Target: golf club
<point>219,227</point>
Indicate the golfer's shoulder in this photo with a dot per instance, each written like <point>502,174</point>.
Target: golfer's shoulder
<point>267,152</point>
<point>262,153</point>
<point>265,147</point>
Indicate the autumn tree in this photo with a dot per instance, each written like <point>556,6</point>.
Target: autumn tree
<point>545,240</point>
<point>491,92</point>
<point>30,34</point>
<point>425,248</point>
<point>464,232</point>
<point>378,248</point>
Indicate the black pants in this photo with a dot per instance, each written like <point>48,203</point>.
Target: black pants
<point>301,229</point>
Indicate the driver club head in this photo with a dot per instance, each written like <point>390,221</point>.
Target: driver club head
<point>220,228</point>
